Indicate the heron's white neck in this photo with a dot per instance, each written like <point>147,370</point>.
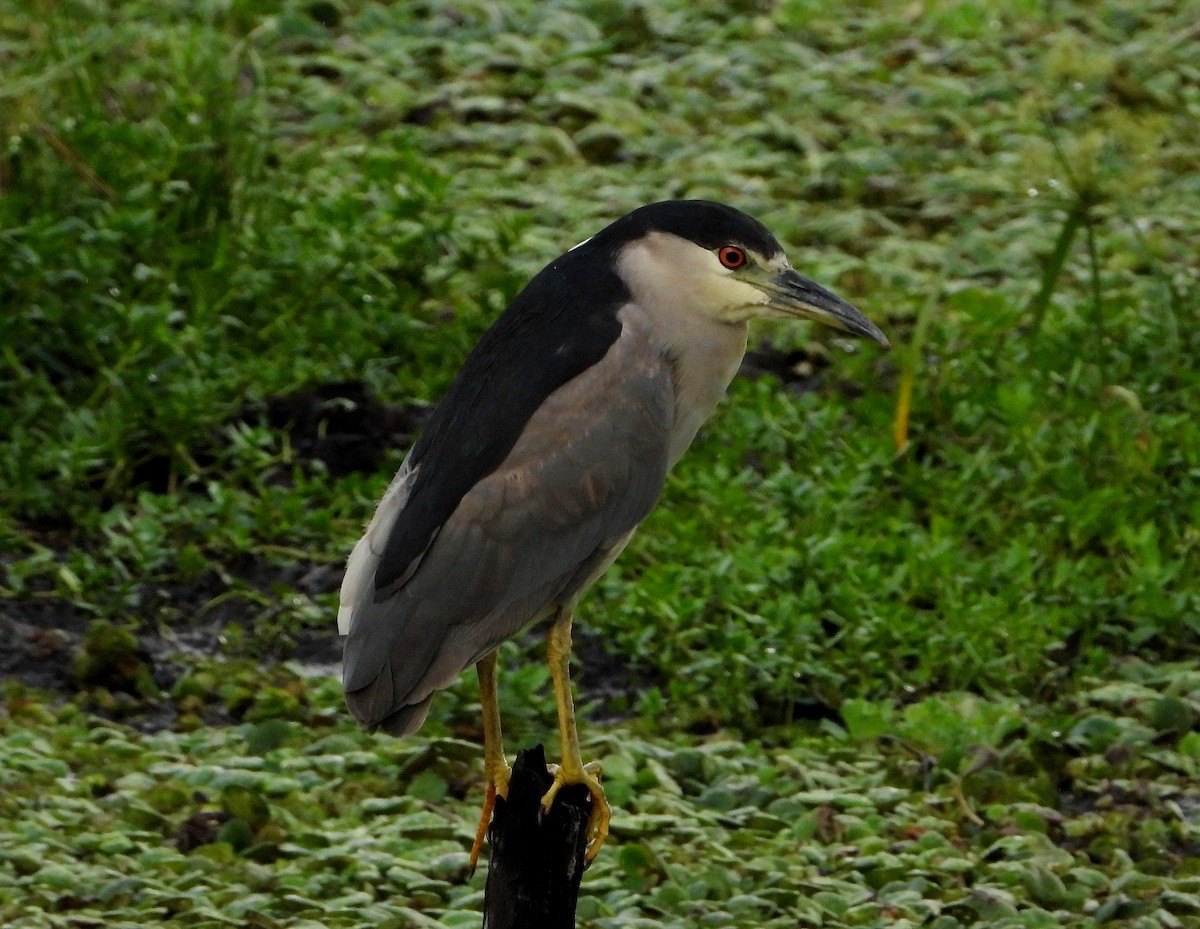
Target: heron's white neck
<point>685,309</point>
<point>704,355</point>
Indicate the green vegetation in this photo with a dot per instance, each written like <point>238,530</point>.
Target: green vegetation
<point>274,824</point>
<point>955,684</point>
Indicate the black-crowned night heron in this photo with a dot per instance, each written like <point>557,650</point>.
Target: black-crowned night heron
<point>550,447</point>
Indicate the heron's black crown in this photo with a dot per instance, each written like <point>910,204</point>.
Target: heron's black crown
<point>708,224</point>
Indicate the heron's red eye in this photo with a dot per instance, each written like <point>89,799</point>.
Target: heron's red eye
<point>731,256</point>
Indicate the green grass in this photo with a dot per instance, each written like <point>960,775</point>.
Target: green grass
<point>206,205</point>
<point>1008,816</point>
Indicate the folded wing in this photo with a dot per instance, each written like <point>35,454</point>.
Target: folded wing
<point>586,469</point>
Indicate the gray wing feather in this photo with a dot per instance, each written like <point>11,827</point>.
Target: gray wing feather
<point>588,467</point>
<point>359,579</point>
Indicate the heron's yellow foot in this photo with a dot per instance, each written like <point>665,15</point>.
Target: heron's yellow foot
<point>498,774</point>
<point>566,775</point>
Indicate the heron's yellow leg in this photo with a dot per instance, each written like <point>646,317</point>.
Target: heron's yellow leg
<point>573,770</point>
<point>495,765</point>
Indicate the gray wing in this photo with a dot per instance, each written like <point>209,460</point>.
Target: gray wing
<point>588,467</point>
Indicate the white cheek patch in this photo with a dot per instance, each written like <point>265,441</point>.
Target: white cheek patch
<point>681,278</point>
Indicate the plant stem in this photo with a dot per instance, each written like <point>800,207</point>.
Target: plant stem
<point>1097,307</point>
<point>1050,274</point>
<point>908,373</point>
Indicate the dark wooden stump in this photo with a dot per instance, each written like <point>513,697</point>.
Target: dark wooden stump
<point>536,861</point>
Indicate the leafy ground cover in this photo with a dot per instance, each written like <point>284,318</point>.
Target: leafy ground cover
<point>971,813</point>
<point>243,245</point>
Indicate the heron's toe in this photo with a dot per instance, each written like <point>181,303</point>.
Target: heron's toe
<point>589,776</point>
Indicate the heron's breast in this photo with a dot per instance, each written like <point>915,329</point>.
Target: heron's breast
<point>704,355</point>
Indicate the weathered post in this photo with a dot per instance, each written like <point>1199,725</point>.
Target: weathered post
<point>536,862</point>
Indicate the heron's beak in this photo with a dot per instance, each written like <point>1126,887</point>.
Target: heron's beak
<point>794,295</point>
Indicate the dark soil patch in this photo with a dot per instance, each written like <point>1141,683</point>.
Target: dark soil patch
<point>220,615</point>
<point>611,681</point>
<point>40,636</point>
<point>228,611</point>
<point>340,424</point>
<point>801,370</point>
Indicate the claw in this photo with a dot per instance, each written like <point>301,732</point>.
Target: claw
<point>598,819</point>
